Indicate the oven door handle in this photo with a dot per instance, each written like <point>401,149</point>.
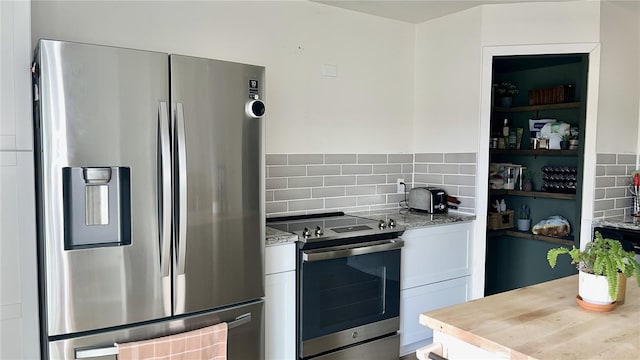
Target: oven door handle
<point>351,250</point>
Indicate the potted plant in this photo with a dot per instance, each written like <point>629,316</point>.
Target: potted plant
<point>505,92</point>
<point>564,143</point>
<point>602,266</point>
<point>524,219</point>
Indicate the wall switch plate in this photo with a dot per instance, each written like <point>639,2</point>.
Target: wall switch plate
<point>399,186</point>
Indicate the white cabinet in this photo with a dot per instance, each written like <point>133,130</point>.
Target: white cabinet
<point>280,302</point>
<point>15,78</point>
<point>18,269</point>
<point>417,300</point>
<point>436,269</point>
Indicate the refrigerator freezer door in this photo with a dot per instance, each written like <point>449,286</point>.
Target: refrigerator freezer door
<point>244,339</point>
<point>100,107</point>
<point>218,171</point>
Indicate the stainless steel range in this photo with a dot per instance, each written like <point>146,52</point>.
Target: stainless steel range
<point>348,285</point>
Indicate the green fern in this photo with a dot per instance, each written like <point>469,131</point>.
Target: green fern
<point>601,257</point>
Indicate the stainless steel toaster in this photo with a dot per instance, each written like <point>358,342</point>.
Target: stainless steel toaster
<point>430,199</point>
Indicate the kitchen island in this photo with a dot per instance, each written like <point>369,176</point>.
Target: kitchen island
<point>542,321</point>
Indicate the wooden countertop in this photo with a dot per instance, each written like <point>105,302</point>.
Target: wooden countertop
<point>544,322</point>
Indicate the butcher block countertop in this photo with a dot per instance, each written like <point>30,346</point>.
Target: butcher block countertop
<point>544,321</point>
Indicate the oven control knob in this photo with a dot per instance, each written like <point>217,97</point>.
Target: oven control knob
<point>305,232</point>
<point>318,231</point>
<point>354,334</point>
<point>382,224</point>
<point>392,223</point>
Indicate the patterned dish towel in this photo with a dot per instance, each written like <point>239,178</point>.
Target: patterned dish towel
<point>208,343</point>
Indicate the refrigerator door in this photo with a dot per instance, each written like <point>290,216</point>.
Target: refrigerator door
<point>218,166</point>
<point>244,338</point>
<point>101,131</point>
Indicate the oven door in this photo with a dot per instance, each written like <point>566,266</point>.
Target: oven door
<point>348,294</point>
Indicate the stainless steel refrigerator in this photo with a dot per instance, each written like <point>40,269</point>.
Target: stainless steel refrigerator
<point>150,202</point>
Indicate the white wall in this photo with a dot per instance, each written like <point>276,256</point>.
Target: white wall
<point>367,108</point>
<point>619,74</point>
<point>449,55</point>
<point>447,91</point>
<point>540,23</point>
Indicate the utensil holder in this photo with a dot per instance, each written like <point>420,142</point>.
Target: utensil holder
<point>635,209</point>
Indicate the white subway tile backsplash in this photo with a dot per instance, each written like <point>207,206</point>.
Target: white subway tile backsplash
<point>357,169</point>
<point>429,179</point>
<point>460,180</point>
<point>443,169</point>
<point>615,193</point>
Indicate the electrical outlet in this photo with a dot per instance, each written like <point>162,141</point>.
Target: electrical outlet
<point>400,186</point>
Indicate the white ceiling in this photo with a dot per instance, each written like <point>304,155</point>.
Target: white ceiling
<point>415,11</point>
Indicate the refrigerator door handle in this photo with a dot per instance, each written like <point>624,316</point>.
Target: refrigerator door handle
<point>88,353</point>
<point>165,216</point>
<point>181,238</point>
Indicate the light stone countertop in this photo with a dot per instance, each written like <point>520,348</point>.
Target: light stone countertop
<point>279,237</point>
<point>411,220</point>
<point>620,222</point>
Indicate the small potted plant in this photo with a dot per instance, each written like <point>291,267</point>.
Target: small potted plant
<point>603,265</point>
<point>524,219</point>
<point>564,143</point>
<point>505,92</point>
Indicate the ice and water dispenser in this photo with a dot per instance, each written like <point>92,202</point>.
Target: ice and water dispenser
<point>97,206</point>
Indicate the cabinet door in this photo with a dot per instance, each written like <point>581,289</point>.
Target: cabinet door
<point>280,316</point>
<point>435,253</point>
<point>279,258</point>
<point>417,300</point>
<point>15,58</point>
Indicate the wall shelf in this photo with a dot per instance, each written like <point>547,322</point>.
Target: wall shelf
<point>566,241</point>
<point>571,105</point>
<point>534,194</point>
<point>534,152</point>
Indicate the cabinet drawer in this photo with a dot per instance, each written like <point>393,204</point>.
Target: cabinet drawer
<point>417,300</point>
<point>279,258</point>
<point>435,254</point>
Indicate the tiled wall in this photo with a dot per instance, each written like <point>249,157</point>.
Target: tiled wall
<point>612,198</point>
<point>454,172</point>
<point>308,183</point>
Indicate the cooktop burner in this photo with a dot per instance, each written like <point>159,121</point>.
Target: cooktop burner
<point>332,226</point>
